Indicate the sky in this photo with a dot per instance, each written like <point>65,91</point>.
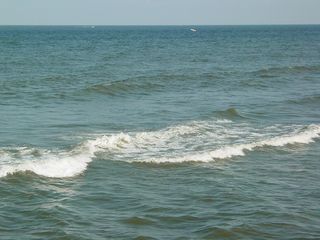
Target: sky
<point>158,12</point>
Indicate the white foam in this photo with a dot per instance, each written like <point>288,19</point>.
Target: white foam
<point>46,163</point>
<point>113,142</point>
<point>196,141</point>
<point>55,168</point>
<point>299,137</point>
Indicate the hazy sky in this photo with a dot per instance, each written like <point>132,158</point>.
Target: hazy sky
<point>158,12</point>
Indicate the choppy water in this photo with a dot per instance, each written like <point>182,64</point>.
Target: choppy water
<point>160,132</point>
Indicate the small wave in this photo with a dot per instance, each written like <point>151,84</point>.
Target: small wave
<point>315,99</point>
<point>122,87</point>
<point>230,113</point>
<point>303,137</point>
<point>138,221</point>
<point>272,71</point>
<point>49,165</point>
<point>199,141</point>
<point>57,164</point>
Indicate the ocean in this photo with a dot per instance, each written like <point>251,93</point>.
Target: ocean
<point>160,132</point>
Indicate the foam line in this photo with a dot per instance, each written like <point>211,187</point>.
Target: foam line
<point>147,146</point>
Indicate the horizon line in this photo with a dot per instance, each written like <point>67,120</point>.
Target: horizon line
<point>160,25</point>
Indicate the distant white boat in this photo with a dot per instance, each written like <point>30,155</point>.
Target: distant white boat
<point>193,30</point>
<point>92,26</point>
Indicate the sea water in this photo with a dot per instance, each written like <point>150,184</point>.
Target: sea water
<point>160,132</point>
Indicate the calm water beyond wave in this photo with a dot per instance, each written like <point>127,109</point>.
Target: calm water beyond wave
<point>160,132</point>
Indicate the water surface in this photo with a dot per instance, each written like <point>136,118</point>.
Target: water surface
<point>160,132</point>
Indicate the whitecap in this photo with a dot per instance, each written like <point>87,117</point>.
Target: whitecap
<point>198,141</point>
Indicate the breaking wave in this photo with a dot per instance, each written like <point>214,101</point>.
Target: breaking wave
<point>200,141</point>
<point>303,137</point>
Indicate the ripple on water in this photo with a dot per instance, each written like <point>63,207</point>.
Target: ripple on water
<point>141,237</point>
<point>238,232</point>
<point>138,221</point>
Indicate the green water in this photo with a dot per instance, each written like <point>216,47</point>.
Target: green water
<point>160,132</point>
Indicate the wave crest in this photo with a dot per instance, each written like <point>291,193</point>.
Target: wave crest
<point>230,113</point>
<point>122,87</point>
<point>202,141</point>
<point>313,99</point>
<point>272,71</point>
<point>304,137</point>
